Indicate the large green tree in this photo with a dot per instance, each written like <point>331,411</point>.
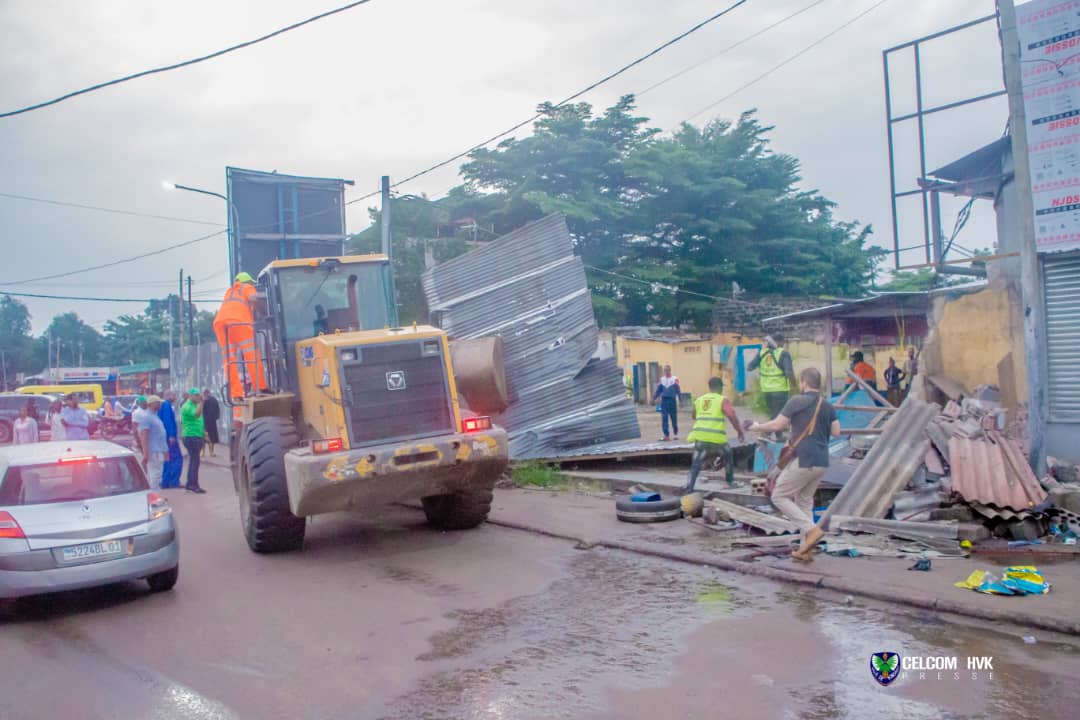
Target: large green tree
<point>16,344</point>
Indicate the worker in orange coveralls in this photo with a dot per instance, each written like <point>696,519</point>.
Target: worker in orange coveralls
<point>235,332</point>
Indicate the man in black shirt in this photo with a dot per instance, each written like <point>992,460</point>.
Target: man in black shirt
<point>813,422</point>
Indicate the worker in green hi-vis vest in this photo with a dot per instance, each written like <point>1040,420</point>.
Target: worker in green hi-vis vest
<point>776,375</point>
<point>709,435</point>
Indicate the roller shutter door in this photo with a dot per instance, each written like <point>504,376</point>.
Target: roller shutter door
<point>1062,280</point>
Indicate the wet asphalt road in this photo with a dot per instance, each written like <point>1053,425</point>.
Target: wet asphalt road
<point>385,618</point>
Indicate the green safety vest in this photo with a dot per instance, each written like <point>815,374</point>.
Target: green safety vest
<point>773,378</point>
<point>709,425</point>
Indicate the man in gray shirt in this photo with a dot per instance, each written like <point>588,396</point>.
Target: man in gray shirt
<point>76,420</point>
<point>795,488</point>
<point>152,441</point>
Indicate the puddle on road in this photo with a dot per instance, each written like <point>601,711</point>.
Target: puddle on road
<point>619,631</point>
<point>614,619</point>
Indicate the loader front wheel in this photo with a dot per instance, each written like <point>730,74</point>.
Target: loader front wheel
<point>268,523</point>
<point>458,511</point>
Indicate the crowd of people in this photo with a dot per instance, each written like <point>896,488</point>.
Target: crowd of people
<point>159,429</point>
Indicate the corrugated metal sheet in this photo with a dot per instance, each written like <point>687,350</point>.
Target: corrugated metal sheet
<point>529,288</point>
<point>889,465</point>
<point>771,524</point>
<point>992,471</point>
<point>1062,282</point>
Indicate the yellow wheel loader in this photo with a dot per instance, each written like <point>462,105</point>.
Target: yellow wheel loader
<point>357,413</point>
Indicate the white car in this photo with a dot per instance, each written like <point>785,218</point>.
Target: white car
<point>77,514</point>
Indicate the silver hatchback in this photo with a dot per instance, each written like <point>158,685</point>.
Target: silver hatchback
<point>79,514</point>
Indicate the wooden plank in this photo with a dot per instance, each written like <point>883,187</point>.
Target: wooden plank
<point>865,408</point>
<point>869,390</point>
<point>861,431</point>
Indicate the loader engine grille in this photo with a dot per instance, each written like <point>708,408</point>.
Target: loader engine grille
<point>396,390</point>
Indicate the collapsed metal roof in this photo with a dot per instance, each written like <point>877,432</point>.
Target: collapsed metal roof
<point>992,471</point>
<point>529,288</point>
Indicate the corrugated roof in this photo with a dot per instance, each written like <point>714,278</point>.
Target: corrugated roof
<point>884,304</point>
<point>890,464</point>
<point>992,471</point>
<point>771,524</point>
<point>529,288</point>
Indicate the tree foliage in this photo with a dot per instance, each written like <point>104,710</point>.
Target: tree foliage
<point>664,224</point>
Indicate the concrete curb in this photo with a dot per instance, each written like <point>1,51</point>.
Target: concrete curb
<point>810,579</point>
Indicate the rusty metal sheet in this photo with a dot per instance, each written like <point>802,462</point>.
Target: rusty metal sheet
<point>890,464</point>
<point>771,524</point>
<point>991,471</point>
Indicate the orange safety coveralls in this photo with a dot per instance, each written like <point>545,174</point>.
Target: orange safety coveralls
<point>235,332</point>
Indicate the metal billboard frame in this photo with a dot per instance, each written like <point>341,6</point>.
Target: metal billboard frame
<point>929,213</point>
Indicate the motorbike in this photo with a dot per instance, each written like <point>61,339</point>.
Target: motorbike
<point>111,427</point>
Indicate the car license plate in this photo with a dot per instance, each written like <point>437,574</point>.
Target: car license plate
<point>93,550</point>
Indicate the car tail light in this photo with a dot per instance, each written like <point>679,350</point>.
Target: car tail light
<point>320,447</point>
<point>475,424</point>
<point>156,506</point>
<point>8,527</point>
<point>78,459</point>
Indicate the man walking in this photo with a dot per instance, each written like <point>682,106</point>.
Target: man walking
<point>75,419</point>
<point>211,416</point>
<point>192,429</point>
<point>152,441</point>
<point>174,463</point>
<point>709,435</point>
<point>776,375</point>
<point>668,391</point>
<point>812,421</point>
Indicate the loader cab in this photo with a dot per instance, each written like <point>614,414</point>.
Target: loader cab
<point>312,296</point>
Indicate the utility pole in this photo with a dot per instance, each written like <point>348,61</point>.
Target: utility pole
<point>191,315</point>
<point>169,323</point>
<point>3,360</point>
<point>1030,272</point>
<point>180,310</point>
<point>387,242</point>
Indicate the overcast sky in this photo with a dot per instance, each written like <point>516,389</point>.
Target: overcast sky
<point>396,85</point>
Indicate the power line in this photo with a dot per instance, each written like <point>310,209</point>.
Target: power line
<point>122,261</point>
<point>651,283</point>
<point>729,48</point>
<point>184,63</point>
<point>788,60</point>
<point>42,296</point>
<point>571,98</point>
<point>64,203</point>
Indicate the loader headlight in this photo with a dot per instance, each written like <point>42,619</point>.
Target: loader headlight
<point>349,355</point>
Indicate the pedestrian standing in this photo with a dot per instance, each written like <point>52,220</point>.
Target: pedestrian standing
<point>137,411</point>
<point>894,376</point>
<point>57,432</point>
<point>863,369</point>
<point>709,435</point>
<point>75,419</point>
<point>776,375</point>
<point>667,392</point>
<point>24,429</point>
<point>813,422</point>
<point>174,463</point>
<point>153,441</point>
<point>192,430</point>
<point>911,367</point>
<point>211,416</point>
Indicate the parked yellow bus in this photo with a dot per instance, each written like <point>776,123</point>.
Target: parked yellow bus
<point>90,396</point>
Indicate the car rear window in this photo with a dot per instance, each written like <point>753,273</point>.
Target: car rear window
<point>68,481</point>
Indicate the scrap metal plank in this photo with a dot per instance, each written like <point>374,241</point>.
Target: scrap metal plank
<point>771,524</point>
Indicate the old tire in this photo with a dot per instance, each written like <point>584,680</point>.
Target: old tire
<point>458,511</point>
<point>5,433</point>
<point>164,580</point>
<point>268,523</point>
<point>648,512</point>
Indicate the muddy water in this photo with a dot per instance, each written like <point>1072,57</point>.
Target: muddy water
<point>619,636</point>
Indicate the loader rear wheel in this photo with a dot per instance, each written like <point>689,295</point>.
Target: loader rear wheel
<point>268,523</point>
<point>458,511</point>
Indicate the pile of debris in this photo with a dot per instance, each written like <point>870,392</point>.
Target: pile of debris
<point>955,473</point>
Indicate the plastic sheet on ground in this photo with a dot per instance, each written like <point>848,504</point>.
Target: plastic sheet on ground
<point>1015,580</point>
